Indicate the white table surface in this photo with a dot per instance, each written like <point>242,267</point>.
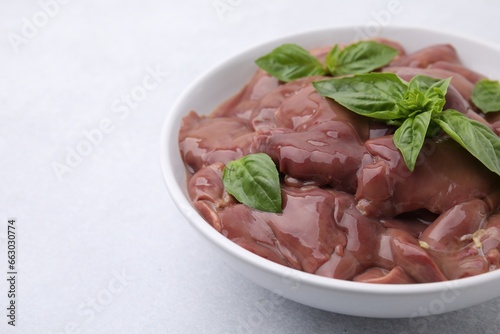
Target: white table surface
<point>101,247</point>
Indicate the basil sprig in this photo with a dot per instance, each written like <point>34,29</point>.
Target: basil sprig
<point>417,109</point>
<point>486,95</point>
<point>254,180</point>
<point>290,61</point>
<point>361,57</point>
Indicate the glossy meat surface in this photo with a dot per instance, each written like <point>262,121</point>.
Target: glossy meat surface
<point>351,208</point>
<point>446,175</point>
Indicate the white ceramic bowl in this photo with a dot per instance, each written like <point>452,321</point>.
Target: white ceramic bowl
<point>353,298</point>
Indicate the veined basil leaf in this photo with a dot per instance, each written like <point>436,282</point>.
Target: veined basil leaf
<point>409,137</point>
<point>289,62</point>
<point>433,89</point>
<point>376,95</point>
<point>486,95</point>
<point>361,57</point>
<point>254,180</point>
<point>332,59</point>
<point>475,137</point>
<point>427,84</point>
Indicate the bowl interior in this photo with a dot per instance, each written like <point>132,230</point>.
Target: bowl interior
<point>362,299</point>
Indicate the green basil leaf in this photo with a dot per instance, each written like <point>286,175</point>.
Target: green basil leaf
<point>475,137</point>
<point>424,94</point>
<point>254,180</point>
<point>427,84</point>
<point>409,137</point>
<point>433,89</point>
<point>362,57</point>
<point>289,62</point>
<point>486,95</point>
<point>376,95</point>
<point>332,59</point>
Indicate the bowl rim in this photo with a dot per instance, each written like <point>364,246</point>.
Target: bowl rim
<point>177,194</point>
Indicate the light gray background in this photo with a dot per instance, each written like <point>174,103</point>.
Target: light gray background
<point>102,249</point>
